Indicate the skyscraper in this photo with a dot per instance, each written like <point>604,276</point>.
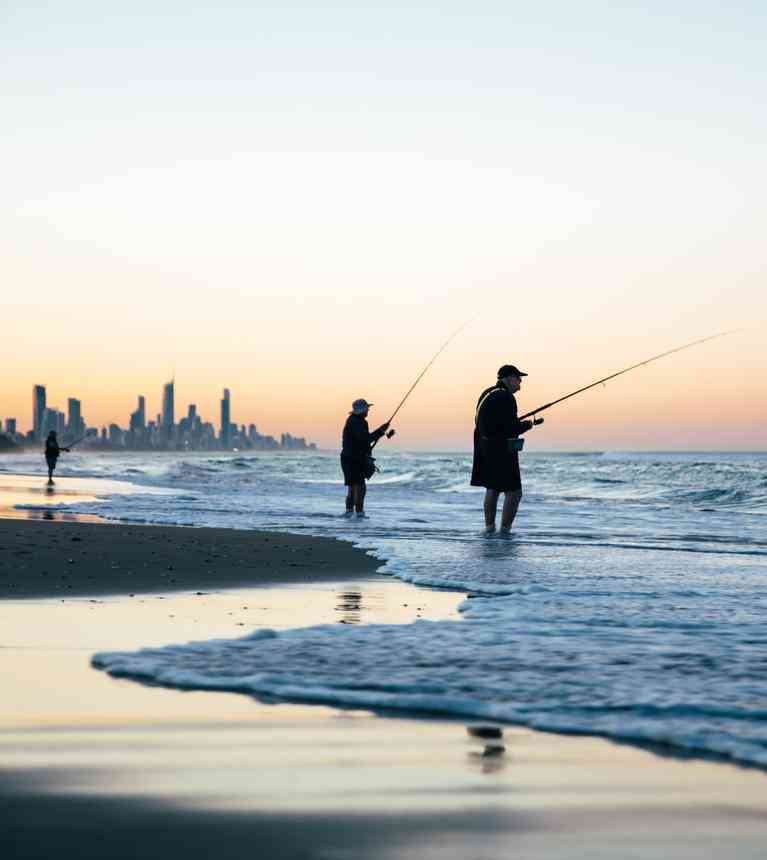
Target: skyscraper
<point>138,418</point>
<point>50,421</point>
<point>167,406</point>
<point>53,420</point>
<point>226,430</point>
<point>74,419</point>
<point>38,410</point>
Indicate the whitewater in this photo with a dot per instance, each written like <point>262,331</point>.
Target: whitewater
<point>630,603</point>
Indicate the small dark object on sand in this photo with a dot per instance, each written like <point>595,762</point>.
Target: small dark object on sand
<point>493,750</point>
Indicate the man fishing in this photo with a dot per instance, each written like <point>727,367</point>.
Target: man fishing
<point>52,452</point>
<point>496,447</point>
<point>356,458</point>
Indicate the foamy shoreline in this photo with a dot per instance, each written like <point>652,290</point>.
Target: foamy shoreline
<point>95,767</point>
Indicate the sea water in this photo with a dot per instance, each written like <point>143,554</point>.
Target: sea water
<point>630,602</point>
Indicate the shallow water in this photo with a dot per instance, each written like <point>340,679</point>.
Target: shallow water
<point>630,602</point>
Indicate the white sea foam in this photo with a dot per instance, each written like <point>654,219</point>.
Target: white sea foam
<point>630,602</point>
<point>475,668</point>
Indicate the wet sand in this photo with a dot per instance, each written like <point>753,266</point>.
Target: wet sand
<point>95,767</point>
<point>40,558</point>
<point>46,550</point>
<point>352,786</point>
<point>30,497</point>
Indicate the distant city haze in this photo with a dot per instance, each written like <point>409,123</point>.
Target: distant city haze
<point>300,203</point>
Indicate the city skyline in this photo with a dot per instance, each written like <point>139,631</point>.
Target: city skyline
<point>161,433</point>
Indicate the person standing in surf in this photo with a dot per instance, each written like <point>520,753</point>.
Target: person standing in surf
<point>356,459</point>
<point>496,447</point>
<point>52,452</point>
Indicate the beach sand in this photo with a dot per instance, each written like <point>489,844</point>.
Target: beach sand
<point>47,558</point>
<point>95,767</point>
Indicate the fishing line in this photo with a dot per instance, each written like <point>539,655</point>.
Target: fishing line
<point>625,370</point>
<point>423,372</point>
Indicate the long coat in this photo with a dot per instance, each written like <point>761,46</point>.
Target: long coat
<point>494,466</point>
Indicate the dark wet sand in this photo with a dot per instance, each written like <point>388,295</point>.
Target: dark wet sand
<point>39,558</point>
<point>554,798</point>
<point>124,829</point>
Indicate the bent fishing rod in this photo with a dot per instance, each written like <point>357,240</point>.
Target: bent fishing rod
<point>421,375</point>
<point>621,372</point>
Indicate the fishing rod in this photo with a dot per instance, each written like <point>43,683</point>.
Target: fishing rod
<point>77,441</point>
<point>423,372</point>
<point>621,372</point>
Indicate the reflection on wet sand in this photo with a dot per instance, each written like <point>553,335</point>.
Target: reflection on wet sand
<point>51,492</point>
<point>25,497</point>
<point>349,604</point>
<point>58,516</point>
<point>492,757</point>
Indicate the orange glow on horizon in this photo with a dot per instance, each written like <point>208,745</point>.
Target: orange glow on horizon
<point>710,397</point>
<point>302,212</point>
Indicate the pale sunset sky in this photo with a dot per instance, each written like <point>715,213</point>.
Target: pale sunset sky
<point>301,201</point>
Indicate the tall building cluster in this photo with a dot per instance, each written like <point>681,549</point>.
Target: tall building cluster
<point>46,418</point>
<point>163,433</point>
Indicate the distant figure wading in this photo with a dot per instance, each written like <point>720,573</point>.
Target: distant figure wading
<point>52,452</point>
<point>356,459</point>
<point>496,447</point>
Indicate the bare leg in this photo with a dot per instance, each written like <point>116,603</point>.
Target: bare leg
<point>510,504</point>
<point>350,498</point>
<point>359,497</point>
<point>491,506</point>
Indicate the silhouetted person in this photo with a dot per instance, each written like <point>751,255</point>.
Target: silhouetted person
<point>52,452</point>
<point>496,445</point>
<point>356,459</point>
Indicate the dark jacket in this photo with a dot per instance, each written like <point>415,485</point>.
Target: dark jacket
<point>358,440</point>
<point>52,450</point>
<point>494,466</point>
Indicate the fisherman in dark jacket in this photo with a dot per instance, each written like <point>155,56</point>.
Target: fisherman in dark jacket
<point>52,452</point>
<point>355,455</point>
<point>496,445</point>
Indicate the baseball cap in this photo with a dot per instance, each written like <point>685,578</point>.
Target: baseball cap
<point>509,370</point>
<point>360,406</point>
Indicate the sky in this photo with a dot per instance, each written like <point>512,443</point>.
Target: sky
<point>301,201</point>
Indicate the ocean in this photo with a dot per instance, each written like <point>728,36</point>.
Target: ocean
<point>630,603</point>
